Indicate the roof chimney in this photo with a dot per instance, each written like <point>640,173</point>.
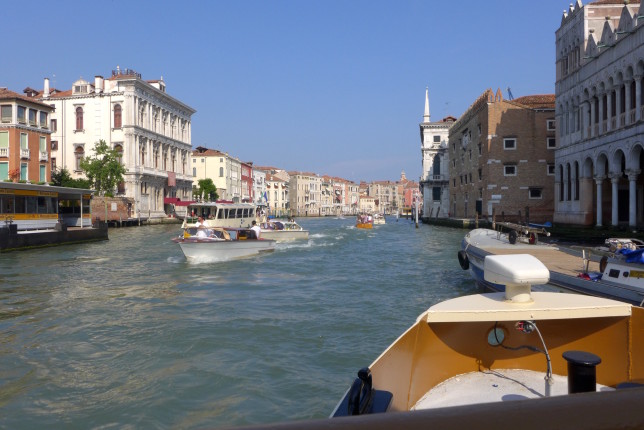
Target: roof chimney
<point>45,92</point>
<point>98,84</point>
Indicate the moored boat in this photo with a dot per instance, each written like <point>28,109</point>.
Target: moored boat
<point>217,244</point>
<point>502,347</point>
<point>570,270</point>
<point>283,231</point>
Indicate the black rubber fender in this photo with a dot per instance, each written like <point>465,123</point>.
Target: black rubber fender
<point>463,260</point>
<point>512,237</point>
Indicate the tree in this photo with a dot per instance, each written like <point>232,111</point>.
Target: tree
<point>62,178</point>
<point>206,189</point>
<point>104,170</point>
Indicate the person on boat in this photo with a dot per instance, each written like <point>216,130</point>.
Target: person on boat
<point>199,222</point>
<point>201,232</point>
<point>257,229</point>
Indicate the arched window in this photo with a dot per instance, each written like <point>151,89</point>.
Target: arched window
<point>119,149</point>
<point>117,116</point>
<point>79,153</point>
<point>79,118</point>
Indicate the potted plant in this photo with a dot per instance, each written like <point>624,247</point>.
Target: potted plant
<point>14,174</point>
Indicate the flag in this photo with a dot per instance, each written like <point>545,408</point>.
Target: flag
<point>265,196</point>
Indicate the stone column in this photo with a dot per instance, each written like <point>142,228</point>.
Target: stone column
<point>638,98</point>
<point>609,109</point>
<point>627,104</point>
<point>585,119</point>
<point>592,119</point>
<point>599,180</point>
<point>618,105</point>
<point>614,180</point>
<point>632,199</point>
<point>600,120</point>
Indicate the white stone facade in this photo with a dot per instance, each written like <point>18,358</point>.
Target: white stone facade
<point>138,118</point>
<point>305,194</point>
<point>434,180</point>
<point>599,108</point>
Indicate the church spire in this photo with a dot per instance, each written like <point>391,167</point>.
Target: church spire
<point>426,116</point>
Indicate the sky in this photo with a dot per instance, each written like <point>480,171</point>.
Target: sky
<point>333,87</point>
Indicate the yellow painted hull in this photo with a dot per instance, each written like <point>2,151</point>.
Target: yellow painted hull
<point>364,225</point>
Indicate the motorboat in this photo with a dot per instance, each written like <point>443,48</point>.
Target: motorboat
<point>224,214</point>
<point>218,244</point>
<point>530,350</point>
<point>364,221</point>
<point>379,219</point>
<point>613,276</point>
<point>283,231</point>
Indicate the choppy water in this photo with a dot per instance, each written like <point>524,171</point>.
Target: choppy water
<point>126,334</point>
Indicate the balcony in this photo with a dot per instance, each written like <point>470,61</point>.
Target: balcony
<point>43,156</point>
<point>24,153</point>
<point>4,152</point>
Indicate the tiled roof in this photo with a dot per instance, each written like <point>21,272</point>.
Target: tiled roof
<point>7,94</point>
<point>537,101</point>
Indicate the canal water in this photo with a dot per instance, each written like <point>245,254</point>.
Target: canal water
<point>126,334</point>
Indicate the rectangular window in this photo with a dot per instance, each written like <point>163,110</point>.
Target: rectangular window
<point>4,143</point>
<point>510,170</point>
<point>32,117</point>
<point>53,164</point>
<point>43,144</point>
<point>43,173</point>
<point>551,169</point>
<point>436,193</point>
<point>24,143</point>
<point>550,124</point>
<point>6,113</point>
<point>22,114</point>
<point>535,193</point>
<point>43,119</point>
<point>437,139</point>
<point>510,143</point>
<point>552,143</point>
<point>54,125</point>
<point>23,172</point>
<point>4,171</point>
<point>54,145</point>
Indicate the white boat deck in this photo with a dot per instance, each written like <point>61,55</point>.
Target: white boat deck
<point>556,259</point>
<point>494,386</point>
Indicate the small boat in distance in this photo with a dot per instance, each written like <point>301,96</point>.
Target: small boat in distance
<point>379,219</point>
<point>218,244</point>
<point>283,231</point>
<point>504,348</point>
<point>364,221</point>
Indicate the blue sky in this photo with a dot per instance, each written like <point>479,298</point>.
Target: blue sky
<point>333,87</point>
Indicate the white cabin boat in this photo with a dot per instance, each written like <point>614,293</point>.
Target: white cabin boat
<point>221,214</point>
<point>283,231</point>
<point>617,278</point>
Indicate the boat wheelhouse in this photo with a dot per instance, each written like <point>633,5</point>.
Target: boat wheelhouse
<point>221,214</point>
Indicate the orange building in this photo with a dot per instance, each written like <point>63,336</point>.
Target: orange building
<point>25,138</point>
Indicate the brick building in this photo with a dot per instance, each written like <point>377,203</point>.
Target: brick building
<point>25,138</point>
<point>501,156</point>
